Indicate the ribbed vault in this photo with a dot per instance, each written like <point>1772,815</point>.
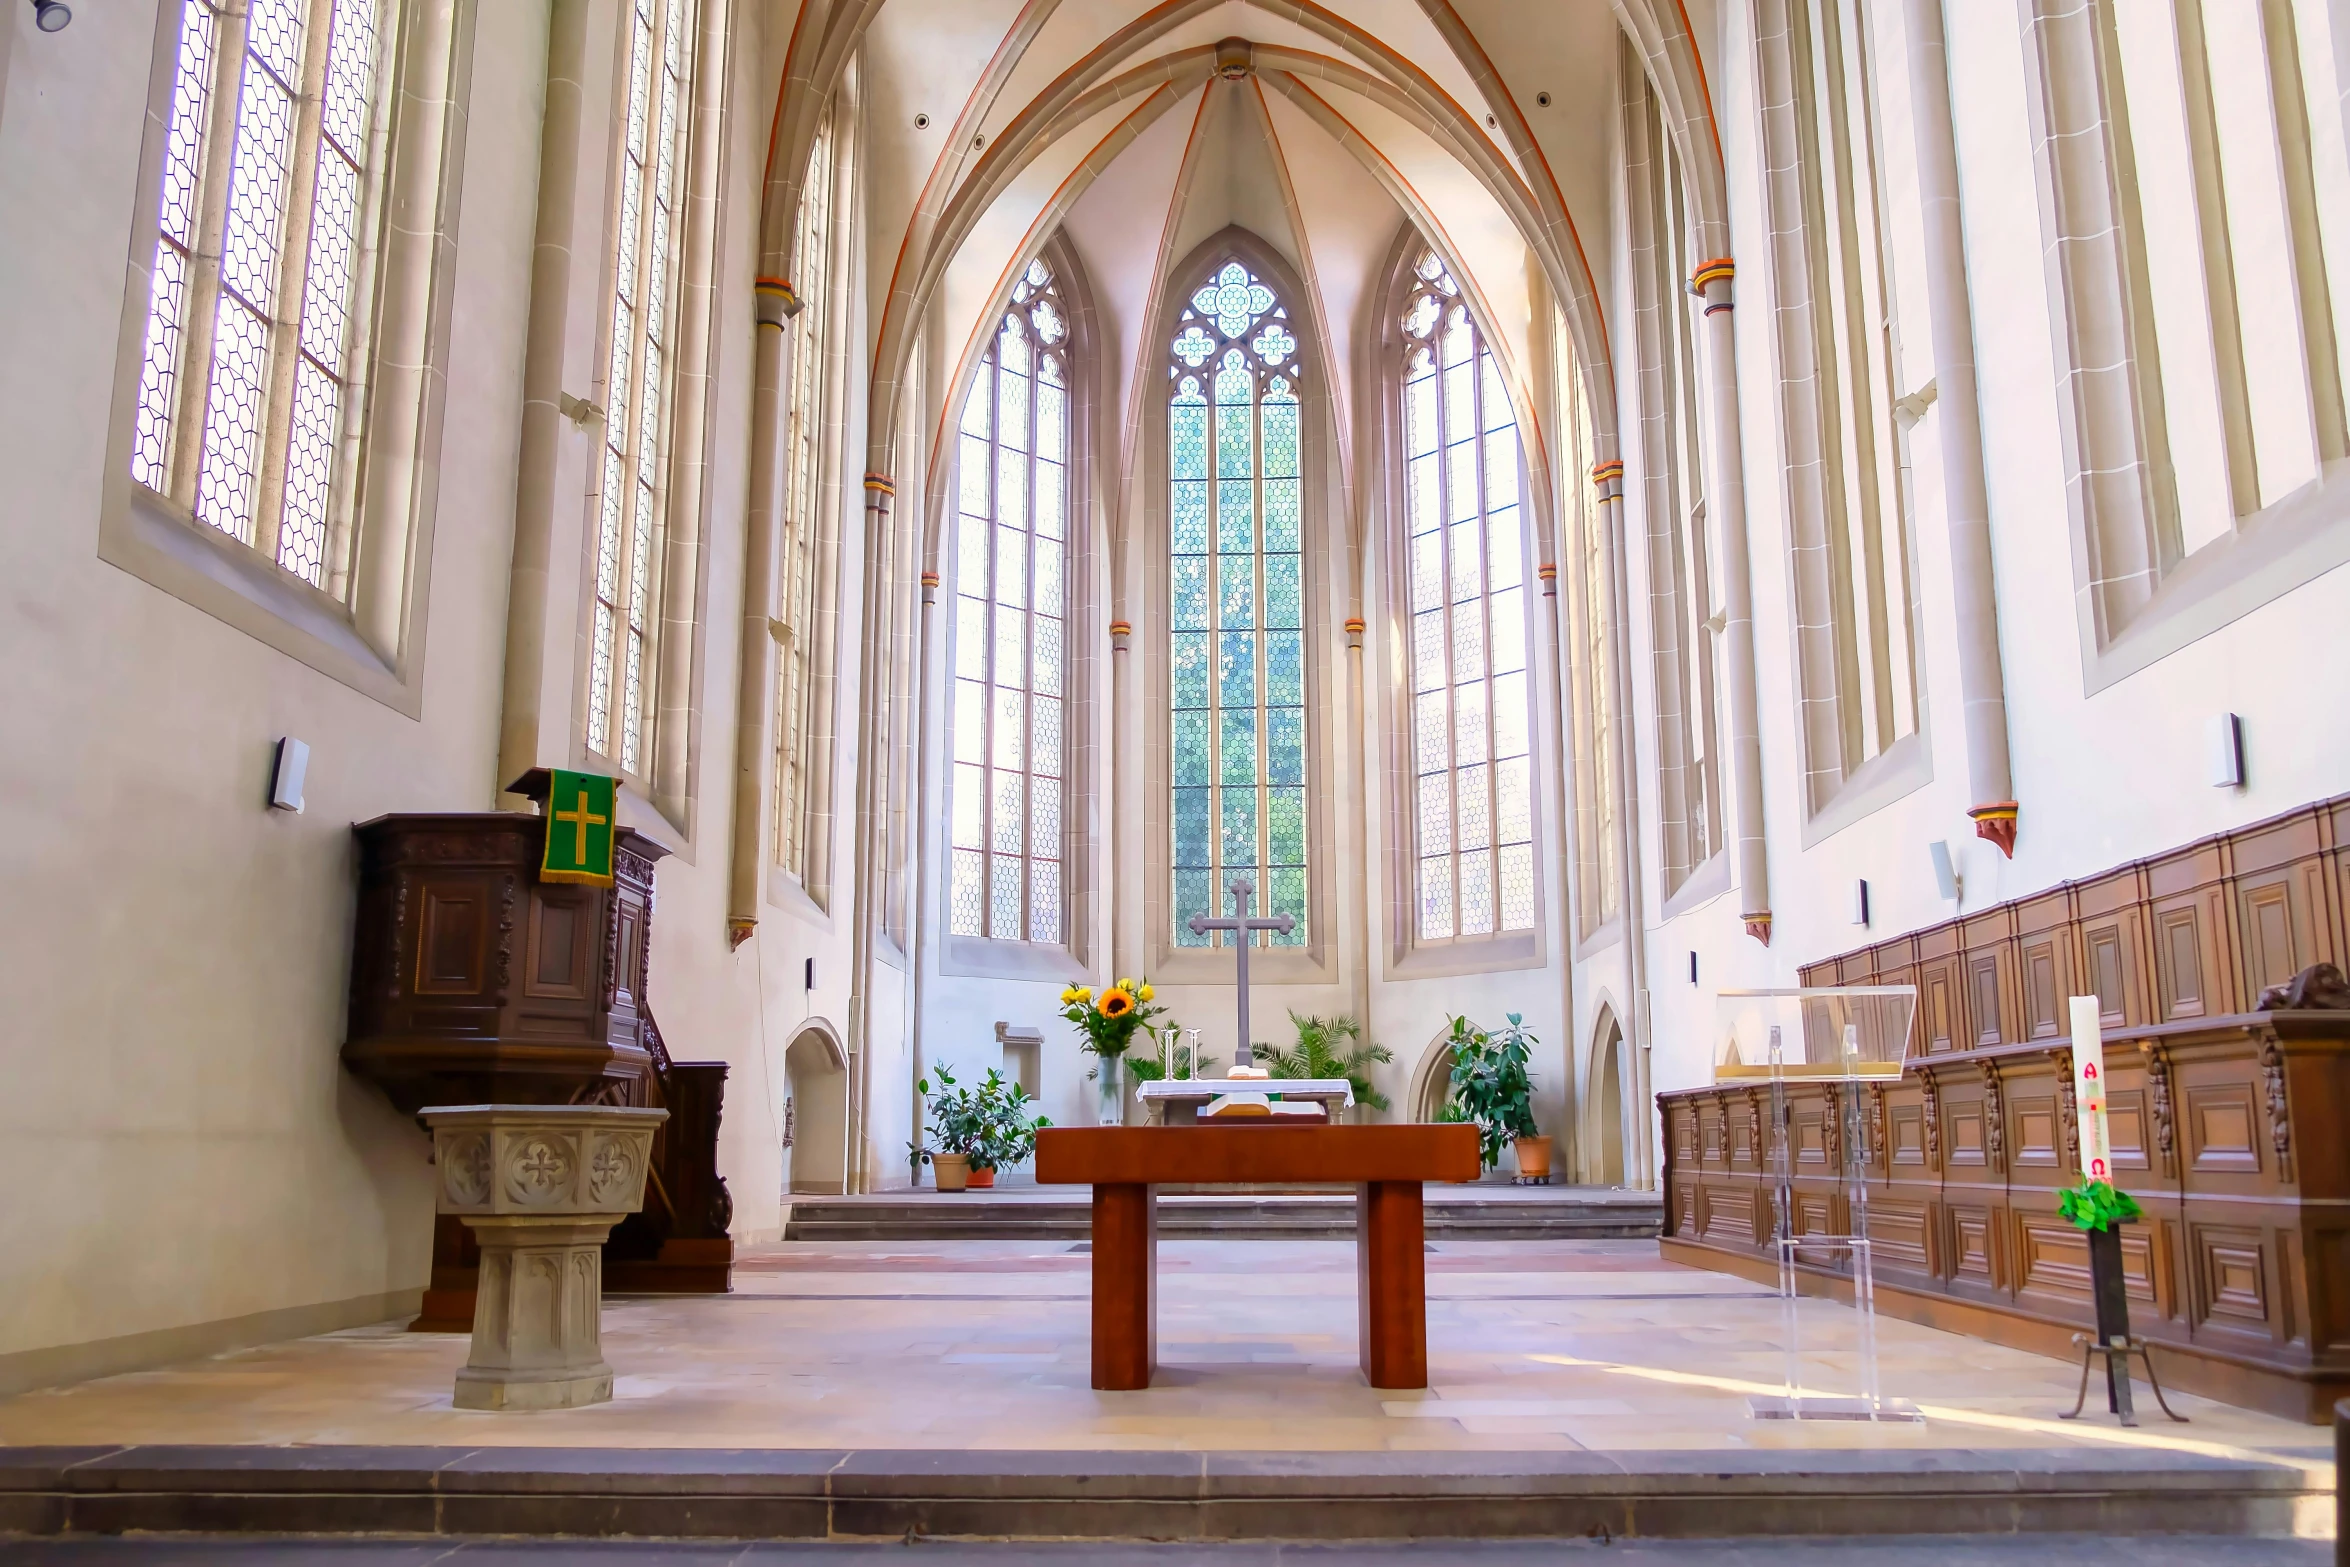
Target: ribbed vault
<point>1471,124</point>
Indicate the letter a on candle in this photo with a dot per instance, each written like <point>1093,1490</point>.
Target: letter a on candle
<point>2089,1090</point>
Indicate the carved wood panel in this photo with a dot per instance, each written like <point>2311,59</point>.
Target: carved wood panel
<point>2125,1121</point>
<point>2037,1140</point>
<point>1938,1005</point>
<point>2223,1128</point>
<point>1971,1250</point>
<point>2232,1269</point>
<point>557,956</point>
<point>452,944</point>
<point>1901,1234</point>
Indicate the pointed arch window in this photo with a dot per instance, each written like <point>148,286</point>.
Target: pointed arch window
<point>632,492</point>
<point>806,545</point>
<point>1465,589</point>
<point>1011,615</point>
<point>249,391</point>
<point>1236,605</point>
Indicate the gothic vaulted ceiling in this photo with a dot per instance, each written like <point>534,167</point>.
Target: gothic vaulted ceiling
<point>1141,131</point>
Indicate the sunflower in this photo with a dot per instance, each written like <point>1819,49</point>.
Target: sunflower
<point>1117,1001</point>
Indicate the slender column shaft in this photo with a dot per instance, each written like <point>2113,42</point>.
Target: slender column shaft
<point>1608,476</point>
<point>1726,504</point>
<point>536,484</point>
<point>755,682</point>
<point>872,857</point>
<point>1982,682</point>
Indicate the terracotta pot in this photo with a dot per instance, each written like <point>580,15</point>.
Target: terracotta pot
<point>1533,1158</point>
<point>954,1171</point>
<point>982,1179</point>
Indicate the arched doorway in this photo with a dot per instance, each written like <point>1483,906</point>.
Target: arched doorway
<point>1607,1100</point>
<point>816,1115</point>
<point>1432,1078</point>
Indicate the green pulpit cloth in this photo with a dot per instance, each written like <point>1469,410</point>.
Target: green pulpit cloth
<point>579,828</point>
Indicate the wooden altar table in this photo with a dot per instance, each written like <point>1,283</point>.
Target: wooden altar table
<point>1385,1164</point>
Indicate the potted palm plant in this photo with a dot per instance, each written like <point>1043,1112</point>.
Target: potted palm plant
<point>974,1132</point>
<point>1331,1047</point>
<point>1491,1087</point>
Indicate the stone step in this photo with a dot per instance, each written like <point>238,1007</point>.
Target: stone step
<point>1027,1214</point>
<point>883,1495</point>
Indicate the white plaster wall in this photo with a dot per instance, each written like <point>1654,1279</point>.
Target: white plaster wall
<point>179,1139</point>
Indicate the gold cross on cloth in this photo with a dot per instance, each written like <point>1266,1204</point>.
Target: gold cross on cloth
<point>581,820</point>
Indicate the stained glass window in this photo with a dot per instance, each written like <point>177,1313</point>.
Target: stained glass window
<point>1464,573</point>
<point>1011,618</point>
<point>248,384</point>
<point>802,530</point>
<point>633,483</point>
<point>1236,605</point>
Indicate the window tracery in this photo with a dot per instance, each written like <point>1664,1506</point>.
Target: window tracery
<point>803,530</point>
<point>1236,603</point>
<point>1464,578</point>
<point>1685,584</point>
<point>632,491</point>
<point>249,383</point>
<point>1008,791</point>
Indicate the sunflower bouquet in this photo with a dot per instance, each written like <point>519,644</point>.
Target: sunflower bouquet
<point>1111,1020</point>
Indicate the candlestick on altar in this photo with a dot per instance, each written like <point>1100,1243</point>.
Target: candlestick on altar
<point>1244,931</point>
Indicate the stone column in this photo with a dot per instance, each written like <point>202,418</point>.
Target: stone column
<point>540,1186</point>
<point>551,461</point>
<point>1726,504</point>
<point>754,745</point>
<point>1982,682</point>
<point>1607,478</point>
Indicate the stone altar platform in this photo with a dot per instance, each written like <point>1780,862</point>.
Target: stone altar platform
<point>1022,1210</point>
<point>865,1389</point>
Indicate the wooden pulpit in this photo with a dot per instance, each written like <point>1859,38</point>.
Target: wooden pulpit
<point>473,982</point>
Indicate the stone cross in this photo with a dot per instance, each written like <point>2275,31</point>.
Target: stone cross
<point>1244,932</point>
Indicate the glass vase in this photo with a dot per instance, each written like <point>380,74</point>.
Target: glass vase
<point>1110,1080</point>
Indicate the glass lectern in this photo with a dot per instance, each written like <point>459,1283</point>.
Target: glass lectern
<point>1843,1039</point>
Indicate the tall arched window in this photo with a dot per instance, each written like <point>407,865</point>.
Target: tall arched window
<point>632,492</point>
<point>804,540</point>
<point>1464,573</point>
<point>248,394</point>
<point>1011,614</point>
<point>1236,604</point>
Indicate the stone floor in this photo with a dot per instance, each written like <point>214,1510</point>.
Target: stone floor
<point>983,1345</point>
<point>1929,1551</point>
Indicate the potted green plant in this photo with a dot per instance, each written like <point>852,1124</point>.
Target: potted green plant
<point>974,1132</point>
<point>1330,1047</point>
<point>1492,1088</point>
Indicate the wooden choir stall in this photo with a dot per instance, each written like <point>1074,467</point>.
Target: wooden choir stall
<point>474,982</point>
